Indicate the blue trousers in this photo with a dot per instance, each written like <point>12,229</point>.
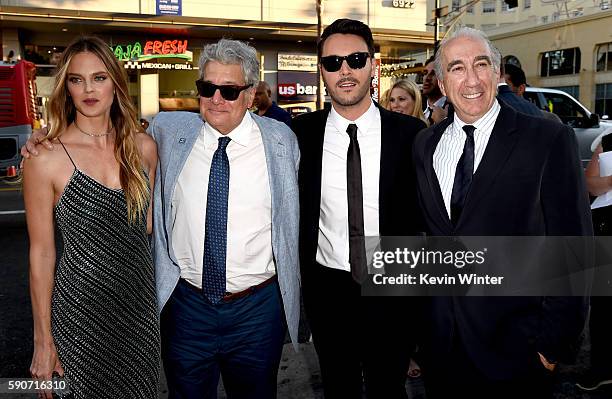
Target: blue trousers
<point>241,341</point>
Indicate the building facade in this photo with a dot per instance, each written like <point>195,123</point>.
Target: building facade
<point>565,45</point>
<point>160,40</point>
<point>574,56</point>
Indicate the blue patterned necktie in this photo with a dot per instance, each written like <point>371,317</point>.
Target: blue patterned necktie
<point>215,236</point>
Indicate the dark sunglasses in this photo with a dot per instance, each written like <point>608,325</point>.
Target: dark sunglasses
<point>228,92</point>
<point>333,63</point>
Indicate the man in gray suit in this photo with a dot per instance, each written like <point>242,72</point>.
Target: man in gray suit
<point>225,230</point>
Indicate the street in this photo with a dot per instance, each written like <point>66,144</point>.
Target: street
<point>299,376</point>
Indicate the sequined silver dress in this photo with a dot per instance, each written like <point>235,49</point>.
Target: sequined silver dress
<point>104,314</point>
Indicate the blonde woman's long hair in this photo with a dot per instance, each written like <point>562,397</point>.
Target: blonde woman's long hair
<point>413,90</point>
<point>62,113</point>
<point>384,99</point>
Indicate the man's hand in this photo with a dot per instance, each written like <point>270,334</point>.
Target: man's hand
<point>29,149</point>
<point>438,113</point>
<point>38,137</point>
<point>546,364</point>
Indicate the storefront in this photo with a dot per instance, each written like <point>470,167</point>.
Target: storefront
<point>160,53</point>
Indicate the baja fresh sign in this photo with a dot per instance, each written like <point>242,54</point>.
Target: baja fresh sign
<point>153,49</point>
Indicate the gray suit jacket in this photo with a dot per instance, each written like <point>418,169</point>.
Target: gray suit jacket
<point>176,133</point>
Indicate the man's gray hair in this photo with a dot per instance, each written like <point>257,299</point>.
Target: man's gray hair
<point>470,33</point>
<point>227,51</point>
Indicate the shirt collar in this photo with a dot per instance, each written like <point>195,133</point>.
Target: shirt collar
<point>364,122</point>
<point>484,124</point>
<point>438,103</point>
<point>240,135</point>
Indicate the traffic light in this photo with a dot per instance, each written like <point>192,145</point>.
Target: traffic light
<point>511,3</point>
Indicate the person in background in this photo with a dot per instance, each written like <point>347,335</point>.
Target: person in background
<point>511,97</point>
<point>268,108</point>
<point>600,328</point>
<point>404,97</point>
<point>436,106</point>
<point>384,99</point>
<point>95,314</point>
<point>516,81</point>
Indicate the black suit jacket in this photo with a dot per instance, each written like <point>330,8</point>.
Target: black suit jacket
<point>399,212</point>
<point>518,103</point>
<point>529,183</point>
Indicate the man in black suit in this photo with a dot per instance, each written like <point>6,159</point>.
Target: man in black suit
<point>356,179</point>
<point>489,171</point>
<point>513,99</point>
<point>516,83</point>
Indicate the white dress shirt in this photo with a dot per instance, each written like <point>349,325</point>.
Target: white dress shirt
<point>439,103</point>
<point>333,243</point>
<point>249,259</point>
<point>449,149</point>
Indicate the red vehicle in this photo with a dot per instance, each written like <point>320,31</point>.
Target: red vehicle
<point>17,111</point>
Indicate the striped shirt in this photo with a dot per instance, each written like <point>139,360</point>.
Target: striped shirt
<point>450,148</point>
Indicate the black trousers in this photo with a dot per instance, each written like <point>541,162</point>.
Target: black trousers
<point>457,377</point>
<point>360,341</point>
<point>600,329</point>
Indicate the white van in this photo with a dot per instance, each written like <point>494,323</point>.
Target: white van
<point>586,124</point>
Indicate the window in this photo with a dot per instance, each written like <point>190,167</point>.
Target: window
<point>604,57</point>
<point>456,5</point>
<point>506,7</point>
<point>560,62</point>
<point>470,10</point>
<point>573,91</point>
<point>603,99</point>
<point>488,6</point>
<point>527,4</point>
<point>545,19</point>
<point>568,110</point>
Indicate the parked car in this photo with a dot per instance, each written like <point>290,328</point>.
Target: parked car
<point>586,124</point>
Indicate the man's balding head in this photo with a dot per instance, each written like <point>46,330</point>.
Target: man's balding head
<point>263,96</point>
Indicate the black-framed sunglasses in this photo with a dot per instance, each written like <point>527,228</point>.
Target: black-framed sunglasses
<point>228,92</point>
<point>333,63</point>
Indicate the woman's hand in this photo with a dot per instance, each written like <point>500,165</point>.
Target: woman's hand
<point>44,363</point>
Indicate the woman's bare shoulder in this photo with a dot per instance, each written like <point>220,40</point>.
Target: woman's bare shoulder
<point>48,158</point>
<point>147,147</point>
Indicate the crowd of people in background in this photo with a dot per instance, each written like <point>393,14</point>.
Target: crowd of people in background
<point>249,212</point>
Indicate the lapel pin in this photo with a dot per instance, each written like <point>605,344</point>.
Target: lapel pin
<point>182,140</point>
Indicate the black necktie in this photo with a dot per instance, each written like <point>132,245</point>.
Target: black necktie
<point>463,174</point>
<point>429,112</point>
<point>354,191</point>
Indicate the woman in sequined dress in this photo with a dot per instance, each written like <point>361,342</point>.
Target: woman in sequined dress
<point>95,314</point>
